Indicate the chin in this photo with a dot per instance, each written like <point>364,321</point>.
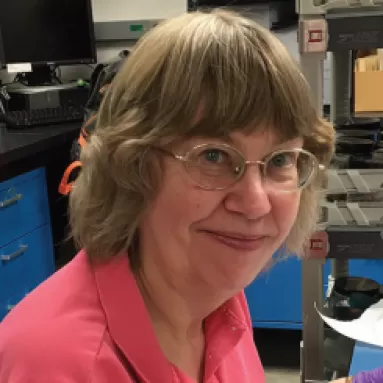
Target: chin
<point>234,270</point>
<point>235,282</point>
<point>231,264</point>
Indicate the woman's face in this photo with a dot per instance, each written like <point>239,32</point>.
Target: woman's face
<point>222,238</point>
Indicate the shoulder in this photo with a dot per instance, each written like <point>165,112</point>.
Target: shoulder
<point>54,334</point>
<point>56,351</point>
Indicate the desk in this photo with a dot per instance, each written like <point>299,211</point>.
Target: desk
<point>32,213</point>
<point>47,147</point>
<point>17,145</point>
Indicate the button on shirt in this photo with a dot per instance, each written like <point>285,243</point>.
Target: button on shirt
<point>88,323</point>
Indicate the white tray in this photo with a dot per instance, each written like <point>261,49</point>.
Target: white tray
<point>351,213</point>
<point>354,180</point>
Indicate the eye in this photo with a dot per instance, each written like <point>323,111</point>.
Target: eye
<point>282,160</point>
<point>215,159</point>
<point>214,156</point>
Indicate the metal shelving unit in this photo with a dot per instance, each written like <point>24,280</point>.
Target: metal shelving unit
<point>350,231</point>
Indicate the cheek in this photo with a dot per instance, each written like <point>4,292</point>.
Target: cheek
<point>180,203</point>
<point>285,210</point>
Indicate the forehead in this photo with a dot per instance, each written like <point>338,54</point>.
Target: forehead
<point>267,140</point>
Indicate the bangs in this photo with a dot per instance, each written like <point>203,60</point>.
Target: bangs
<point>211,74</point>
<point>222,77</point>
<point>258,104</point>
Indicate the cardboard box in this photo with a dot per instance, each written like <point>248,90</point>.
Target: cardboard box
<point>368,93</point>
<point>368,76</point>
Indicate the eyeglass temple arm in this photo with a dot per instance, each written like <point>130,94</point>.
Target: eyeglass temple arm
<point>171,154</point>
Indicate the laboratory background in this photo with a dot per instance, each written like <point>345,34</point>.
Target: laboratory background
<point>47,92</point>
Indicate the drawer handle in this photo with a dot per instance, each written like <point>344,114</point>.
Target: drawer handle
<point>17,253</point>
<point>10,201</point>
<point>10,307</point>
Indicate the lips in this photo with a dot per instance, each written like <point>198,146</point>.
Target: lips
<point>237,241</point>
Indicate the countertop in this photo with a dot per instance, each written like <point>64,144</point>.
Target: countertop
<point>18,144</point>
<point>20,147</point>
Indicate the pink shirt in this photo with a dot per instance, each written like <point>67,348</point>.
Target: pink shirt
<point>88,324</point>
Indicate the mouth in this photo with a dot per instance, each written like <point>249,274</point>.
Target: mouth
<point>237,241</point>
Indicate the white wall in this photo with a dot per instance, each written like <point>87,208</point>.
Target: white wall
<point>126,10</point>
<point>123,10</point>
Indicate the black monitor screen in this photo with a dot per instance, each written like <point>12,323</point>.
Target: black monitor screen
<point>46,31</point>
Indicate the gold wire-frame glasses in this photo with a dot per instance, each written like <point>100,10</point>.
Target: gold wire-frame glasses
<point>219,166</point>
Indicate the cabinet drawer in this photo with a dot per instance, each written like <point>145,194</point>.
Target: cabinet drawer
<point>367,268</point>
<point>23,205</point>
<point>25,263</point>
<point>9,303</point>
<point>275,297</point>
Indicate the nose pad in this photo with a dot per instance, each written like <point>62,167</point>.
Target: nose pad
<point>249,195</point>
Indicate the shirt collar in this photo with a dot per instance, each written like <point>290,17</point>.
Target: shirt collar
<point>224,329</point>
<point>128,320</point>
<point>131,328</point>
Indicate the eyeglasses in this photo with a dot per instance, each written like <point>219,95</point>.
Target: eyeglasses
<point>219,166</point>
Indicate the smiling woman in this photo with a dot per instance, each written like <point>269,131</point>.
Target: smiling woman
<point>206,159</point>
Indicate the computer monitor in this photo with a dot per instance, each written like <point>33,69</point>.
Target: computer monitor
<point>46,32</point>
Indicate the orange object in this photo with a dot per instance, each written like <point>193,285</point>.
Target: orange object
<point>65,186</point>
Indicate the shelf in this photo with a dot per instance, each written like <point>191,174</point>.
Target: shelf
<point>354,242</point>
<point>369,114</point>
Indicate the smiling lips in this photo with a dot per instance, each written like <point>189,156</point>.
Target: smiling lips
<point>237,241</point>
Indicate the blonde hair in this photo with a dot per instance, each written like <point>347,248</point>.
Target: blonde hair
<point>226,70</point>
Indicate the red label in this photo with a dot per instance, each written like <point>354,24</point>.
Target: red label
<point>315,36</point>
<point>318,245</point>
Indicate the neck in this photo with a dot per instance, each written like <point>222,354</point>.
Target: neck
<point>176,302</point>
<point>177,298</point>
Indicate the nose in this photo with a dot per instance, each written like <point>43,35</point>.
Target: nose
<point>248,196</point>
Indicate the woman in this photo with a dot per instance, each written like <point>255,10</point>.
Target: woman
<point>206,159</point>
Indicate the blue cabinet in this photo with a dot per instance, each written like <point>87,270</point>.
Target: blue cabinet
<point>26,248</point>
<point>367,268</point>
<point>275,297</point>
<point>23,205</point>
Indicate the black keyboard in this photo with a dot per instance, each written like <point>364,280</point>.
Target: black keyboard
<point>39,117</point>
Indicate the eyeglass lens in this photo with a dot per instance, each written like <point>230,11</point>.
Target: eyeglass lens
<point>218,167</point>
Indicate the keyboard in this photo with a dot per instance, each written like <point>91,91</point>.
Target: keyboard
<point>39,117</point>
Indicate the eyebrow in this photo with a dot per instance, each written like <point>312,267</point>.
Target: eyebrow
<point>285,142</point>
<point>276,143</point>
<point>211,139</point>
<point>227,140</point>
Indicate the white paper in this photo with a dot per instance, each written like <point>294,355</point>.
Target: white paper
<point>368,328</point>
<point>19,68</point>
